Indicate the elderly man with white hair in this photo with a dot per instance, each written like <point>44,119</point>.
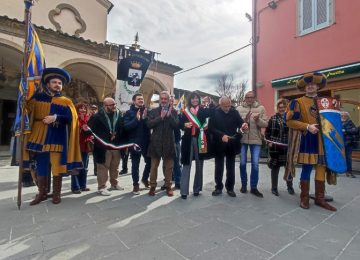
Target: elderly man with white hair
<point>226,125</point>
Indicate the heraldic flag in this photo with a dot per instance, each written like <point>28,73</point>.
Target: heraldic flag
<point>181,103</point>
<point>29,85</point>
<point>331,133</point>
<point>133,64</point>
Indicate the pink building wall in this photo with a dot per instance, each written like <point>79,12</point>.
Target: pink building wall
<point>282,53</point>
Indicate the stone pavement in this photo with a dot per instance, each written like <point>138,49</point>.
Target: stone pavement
<point>125,226</point>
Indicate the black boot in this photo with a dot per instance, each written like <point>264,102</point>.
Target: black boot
<point>274,180</point>
<point>290,188</point>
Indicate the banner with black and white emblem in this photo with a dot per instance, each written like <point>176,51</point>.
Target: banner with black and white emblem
<point>132,66</point>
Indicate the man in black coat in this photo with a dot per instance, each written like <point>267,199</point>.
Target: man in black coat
<point>108,126</point>
<point>226,126</point>
<point>135,124</point>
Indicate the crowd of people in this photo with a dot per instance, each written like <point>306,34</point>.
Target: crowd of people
<point>63,135</point>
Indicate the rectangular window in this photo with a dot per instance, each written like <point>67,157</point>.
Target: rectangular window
<point>314,15</point>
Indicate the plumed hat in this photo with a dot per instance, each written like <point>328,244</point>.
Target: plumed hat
<point>55,73</point>
<point>312,77</point>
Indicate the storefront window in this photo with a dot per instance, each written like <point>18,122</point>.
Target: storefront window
<point>350,103</point>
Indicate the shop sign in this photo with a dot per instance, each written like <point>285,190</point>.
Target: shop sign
<point>330,73</point>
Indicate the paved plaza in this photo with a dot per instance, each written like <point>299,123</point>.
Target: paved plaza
<point>127,226</point>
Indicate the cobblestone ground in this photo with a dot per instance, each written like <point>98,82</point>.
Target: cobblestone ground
<point>127,226</point>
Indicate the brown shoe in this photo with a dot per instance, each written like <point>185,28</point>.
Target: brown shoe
<point>136,189</point>
<point>304,195</point>
<point>146,183</point>
<point>152,191</point>
<point>169,192</point>
<point>57,182</point>
<point>41,196</point>
<point>320,196</point>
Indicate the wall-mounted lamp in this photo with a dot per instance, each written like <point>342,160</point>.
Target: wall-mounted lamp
<point>272,4</point>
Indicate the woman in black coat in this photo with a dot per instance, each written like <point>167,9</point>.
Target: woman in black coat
<point>276,135</point>
<point>194,123</point>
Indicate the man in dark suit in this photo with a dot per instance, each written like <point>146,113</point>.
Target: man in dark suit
<point>226,126</point>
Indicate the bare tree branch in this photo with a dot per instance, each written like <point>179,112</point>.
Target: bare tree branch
<point>239,92</point>
<point>227,87</point>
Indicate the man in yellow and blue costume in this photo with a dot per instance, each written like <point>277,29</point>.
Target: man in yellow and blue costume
<point>54,136</point>
<point>302,116</point>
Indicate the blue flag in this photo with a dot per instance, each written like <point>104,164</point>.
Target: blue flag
<point>29,85</point>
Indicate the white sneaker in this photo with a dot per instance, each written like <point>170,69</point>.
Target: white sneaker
<point>117,187</point>
<point>104,192</point>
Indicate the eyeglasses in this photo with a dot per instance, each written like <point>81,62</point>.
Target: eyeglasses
<point>249,97</point>
<point>111,105</point>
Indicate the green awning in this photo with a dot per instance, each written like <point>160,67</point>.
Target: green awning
<point>330,73</point>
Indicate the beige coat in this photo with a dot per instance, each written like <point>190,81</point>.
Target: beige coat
<point>247,112</point>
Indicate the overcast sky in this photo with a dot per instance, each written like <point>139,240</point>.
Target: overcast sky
<point>188,33</point>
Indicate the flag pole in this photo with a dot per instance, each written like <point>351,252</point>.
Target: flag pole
<point>27,19</point>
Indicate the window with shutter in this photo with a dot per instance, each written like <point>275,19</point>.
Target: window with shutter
<point>314,15</point>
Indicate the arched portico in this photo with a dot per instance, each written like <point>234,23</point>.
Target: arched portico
<point>11,57</point>
<point>91,81</point>
<point>150,86</point>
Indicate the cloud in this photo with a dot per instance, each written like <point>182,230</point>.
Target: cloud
<point>187,33</point>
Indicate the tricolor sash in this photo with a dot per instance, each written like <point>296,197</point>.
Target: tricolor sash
<point>115,147</point>
<point>202,142</point>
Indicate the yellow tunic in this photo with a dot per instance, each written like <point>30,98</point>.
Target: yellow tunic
<point>300,113</point>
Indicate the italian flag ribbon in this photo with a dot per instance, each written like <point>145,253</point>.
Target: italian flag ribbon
<point>275,143</point>
<point>202,142</point>
<point>115,147</point>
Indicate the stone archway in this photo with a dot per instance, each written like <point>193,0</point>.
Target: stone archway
<point>150,86</point>
<point>11,57</point>
<point>80,91</point>
<point>90,81</point>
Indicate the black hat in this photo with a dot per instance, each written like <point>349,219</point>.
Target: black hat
<point>55,73</point>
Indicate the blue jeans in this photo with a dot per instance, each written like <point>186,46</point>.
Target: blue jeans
<point>255,155</point>
<point>79,181</point>
<point>348,152</point>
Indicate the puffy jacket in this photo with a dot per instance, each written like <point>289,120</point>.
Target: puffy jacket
<point>253,135</point>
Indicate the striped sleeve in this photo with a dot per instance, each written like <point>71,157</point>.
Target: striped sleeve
<point>293,116</point>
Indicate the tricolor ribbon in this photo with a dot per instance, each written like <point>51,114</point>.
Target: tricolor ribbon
<point>115,147</point>
<point>202,142</point>
<point>276,143</point>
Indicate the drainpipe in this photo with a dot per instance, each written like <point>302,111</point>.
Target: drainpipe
<point>254,42</point>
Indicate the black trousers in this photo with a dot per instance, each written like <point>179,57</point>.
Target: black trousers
<point>230,172</point>
<point>124,158</point>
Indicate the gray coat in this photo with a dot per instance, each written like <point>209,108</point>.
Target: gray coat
<point>162,140</point>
